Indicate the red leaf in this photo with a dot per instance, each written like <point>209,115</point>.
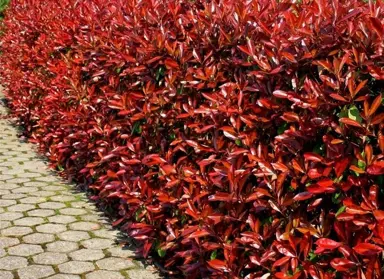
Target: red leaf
<point>198,234</point>
<point>341,166</point>
<point>367,249</point>
<point>309,156</point>
<point>219,196</point>
<point>281,261</point>
<point>379,215</point>
<point>375,105</point>
<point>303,196</point>
<point>376,168</point>
<point>327,243</point>
<point>377,26</point>
<point>351,122</point>
<point>218,265</point>
<point>341,264</point>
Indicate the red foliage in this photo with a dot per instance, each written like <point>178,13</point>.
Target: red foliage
<point>234,138</point>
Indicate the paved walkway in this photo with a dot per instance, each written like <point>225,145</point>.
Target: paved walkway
<point>49,231</point>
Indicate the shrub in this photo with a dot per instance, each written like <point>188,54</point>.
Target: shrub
<point>233,138</point>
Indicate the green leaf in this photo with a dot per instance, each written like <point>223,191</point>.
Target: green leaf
<point>214,255</point>
<point>361,165</point>
<point>161,252</point>
<point>319,149</point>
<point>238,142</point>
<point>338,180</point>
<point>312,256</point>
<point>354,114</point>
<point>341,210</point>
<point>282,128</point>
<point>380,180</point>
<point>335,198</point>
<point>343,113</point>
<point>136,129</point>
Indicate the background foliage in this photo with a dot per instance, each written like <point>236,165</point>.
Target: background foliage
<point>232,138</point>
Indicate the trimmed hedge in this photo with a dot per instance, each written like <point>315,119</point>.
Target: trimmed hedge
<point>233,138</point>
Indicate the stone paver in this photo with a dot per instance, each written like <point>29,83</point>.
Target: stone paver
<point>102,274</point>
<point>51,258</point>
<point>35,272</point>
<point>6,275</point>
<point>76,267</point>
<point>13,263</point>
<point>87,255</point>
<point>25,250</point>
<point>46,229</point>
<point>38,238</point>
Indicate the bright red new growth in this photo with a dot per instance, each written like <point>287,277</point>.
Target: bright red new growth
<point>232,139</point>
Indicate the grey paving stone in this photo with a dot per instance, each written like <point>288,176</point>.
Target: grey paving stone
<point>73,211</point>
<point>9,186</point>
<point>84,226</point>
<point>33,200</point>
<point>38,238</point>
<point>76,267</point>
<point>14,196</point>
<point>4,192</point>
<point>113,263</point>
<point>121,252</point>
<point>52,205</point>
<point>55,189</point>
<point>64,276</point>
<point>50,258</point>
<point>97,243</point>
<point>35,272</point>
<point>51,228</point>
<point>80,204</point>
<point>103,274</point>
<point>62,246</point>
<point>90,217</point>
<point>87,255</point>
<point>6,275</point>
<point>10,216</point>
<point>5,177</point>
<point>13,263</point>
<point>35,184</point>
<point>48,179</point>
<point>8,241</point>
<point>28,174</point>
<point>5,203</point>
<point>25,190</point>
<point>21,207</point>
<point>43,193</point>
<point>104,233</point>
<point>29,221</point>
<point>18,180</point>
<point>41,212</point>
<point>25,250</point>
<point>16,231</point>
<point>62,219</point>
<point>62,198</point>
<point>5,224</point>
<point>74,235</point>
<point>142,274</point>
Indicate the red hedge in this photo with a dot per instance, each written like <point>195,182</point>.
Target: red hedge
<point>234,138</point>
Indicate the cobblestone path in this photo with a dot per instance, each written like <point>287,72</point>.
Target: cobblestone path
<point>49,231</point>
